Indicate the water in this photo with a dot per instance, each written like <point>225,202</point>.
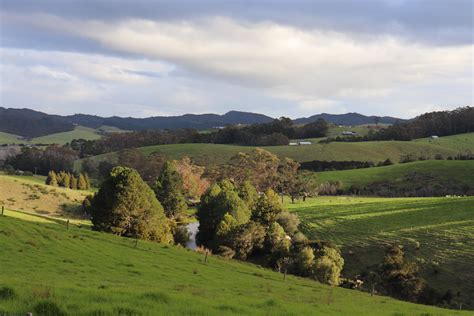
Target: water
<point>193,228</point>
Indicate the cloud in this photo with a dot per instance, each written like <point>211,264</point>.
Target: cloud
<point>208,61</point>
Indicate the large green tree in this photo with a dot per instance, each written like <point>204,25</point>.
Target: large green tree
<point>169,191</point>
<point>220,199</point>
<point>125,205</point>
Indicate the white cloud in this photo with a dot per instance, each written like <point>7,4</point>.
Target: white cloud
<point>314,69</point>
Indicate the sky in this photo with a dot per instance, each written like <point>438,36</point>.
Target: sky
<point>280,58</point>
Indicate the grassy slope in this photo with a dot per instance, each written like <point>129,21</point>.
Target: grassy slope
<point>30,194</point>
<point>444,227</point>
<point>66,137</point>
<point>362,151</point>
<point>91,273</point>
<point>461,142</point>
<point>441,170</point>
<point>6,138</point>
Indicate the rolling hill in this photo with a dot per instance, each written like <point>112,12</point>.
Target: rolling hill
<point>436,232</point>
<point>55,271</point>
<point>29,123</point>
<point>376,151</point>
<point>447,174</point>
<point>31,195</point>
<point>348,119</point>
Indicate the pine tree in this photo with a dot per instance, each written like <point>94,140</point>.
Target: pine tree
<point>52,179</point>
<point>169,191</point>
<point>81,182</point>
<point>125,205</point>
<point>66,180</point>
<point>88,181</point>
<point>73,182</point>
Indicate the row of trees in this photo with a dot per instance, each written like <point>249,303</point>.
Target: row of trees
<point>68,180</point>
<point>41,161</point>
<point>442,123</point>
<point>237,222</point>
<point>277,132</point>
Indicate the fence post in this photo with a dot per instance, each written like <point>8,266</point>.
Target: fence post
<point>205,259</point>
<point>67,224</point>
<point>3,209</point>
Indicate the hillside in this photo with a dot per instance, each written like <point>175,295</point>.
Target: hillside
<point>348,119</point>
<point>66,137</point>
<point>437,232</point>
<point>81,272</point>
<point>440,173</point>
<point>31,195</point>
<point>207,154</point>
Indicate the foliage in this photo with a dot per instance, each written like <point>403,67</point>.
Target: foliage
<point>328,266</point>
<point>126,206</point>
<point>169,191</point>
<point>194,182</point>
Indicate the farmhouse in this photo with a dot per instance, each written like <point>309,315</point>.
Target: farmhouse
<point>304,143</point>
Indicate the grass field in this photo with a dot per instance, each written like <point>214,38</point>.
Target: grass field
<point>80,272</point>
<point>66,137</point>
<point>6,138</point>
<point>208,154</point>
<point>443,228</point>
<point>61,138</point>
<point>31,195</point>
<point>461,142</point>
<point>460,172</point>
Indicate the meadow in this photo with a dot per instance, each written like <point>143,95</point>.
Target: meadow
<point>47,268</point>
<point>442,172</point>
<point>29,194</point>
<point>436,232</point>
<point>377,151</point>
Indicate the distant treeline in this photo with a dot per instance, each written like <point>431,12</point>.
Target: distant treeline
<point>41,161</point>
<point>277,132</point>
<point>443,123</point>
<point>320,165</point>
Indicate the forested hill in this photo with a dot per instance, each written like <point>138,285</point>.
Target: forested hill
<point>29,123</point>
<point>349,119</point>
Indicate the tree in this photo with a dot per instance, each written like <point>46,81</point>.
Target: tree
<point>267,208</point>
<point>52,179</point>
<point>194,183</point>
<point>219,199</point>
<point>328,266</point>
<point>287,172</point>
<point>399,276</point>
<point>169,191</point>
<point>125,205</point>
<point>73,182</point>
<point>248,194</point>
<point>81,182</point>
<point>246,239</point>
<point>65,179</point>
<point>304,261</point>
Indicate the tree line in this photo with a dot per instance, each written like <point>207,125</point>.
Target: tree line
<point>277,132</point>
<point>441,123</point>
<point>68,180</point>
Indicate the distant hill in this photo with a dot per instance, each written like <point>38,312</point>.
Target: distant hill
<point>29,123</point>
<point>348,119</point>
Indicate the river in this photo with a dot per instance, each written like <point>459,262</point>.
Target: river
<point>192,229</point>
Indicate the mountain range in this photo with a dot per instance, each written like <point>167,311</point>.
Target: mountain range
<point>29,123</point>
